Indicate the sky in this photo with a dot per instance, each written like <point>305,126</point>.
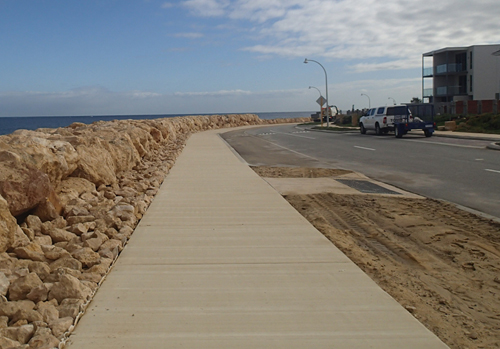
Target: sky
<point>124,57</point>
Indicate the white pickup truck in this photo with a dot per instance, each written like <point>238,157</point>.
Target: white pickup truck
<point>381,119</point>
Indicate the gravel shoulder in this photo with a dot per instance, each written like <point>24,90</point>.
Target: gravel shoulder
<point>439,262</point>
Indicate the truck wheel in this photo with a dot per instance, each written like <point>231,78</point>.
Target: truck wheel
<point>397,132</point>
<point>377,129</point>
<point>362,129</point>
<point>427,133</point>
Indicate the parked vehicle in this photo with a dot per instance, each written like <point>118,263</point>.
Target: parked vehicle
<point>381,119</point>
<point>399,119</point>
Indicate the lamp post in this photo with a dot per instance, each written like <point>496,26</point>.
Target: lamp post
<point>326,87</point>
<point>369,102</point>
<point>392,100</point>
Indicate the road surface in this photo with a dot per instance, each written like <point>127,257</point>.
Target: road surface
<point>461,171</point>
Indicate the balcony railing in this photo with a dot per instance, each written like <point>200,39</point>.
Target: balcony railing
<point>428,72</point>
<point>450,90</point>
<point>450,68</point>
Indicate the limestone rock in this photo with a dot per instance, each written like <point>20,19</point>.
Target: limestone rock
<point>21,334</point>
<point>40,268</point>
<point>29,233</point>
<point>48,311</point>
<point>20,288</point>
<point>39,293</point>
<point>22,185</point>
<point>43,341</point>
<point>79,219</point>
<point>70,307</point>
<point>87,256</point>
<point>46,210</point>
<point>8,226</point>
<point>10,308</point>
<point>8,343</point>
<point>43,240</point>
<point>20,239</point>
<point>60,235</point>
<point>28,315</point>
<point>69,287</point>
<point>4,284</point>
<point>53,252</point>
<point>31,251</point>
<point>66,262</point>
<point>60,326</point>
<point>34,222</point>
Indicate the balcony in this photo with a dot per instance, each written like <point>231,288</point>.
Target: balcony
<point>450,68</point>
<point>427,72</point>
<point>450,91</point>
<point>428,92</point>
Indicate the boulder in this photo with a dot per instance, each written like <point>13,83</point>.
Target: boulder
<point>4,284</point>
<point>32,251</point>
<point>59,326</point>
<point>20,287</point>
<point>86,256</point>
<point>39,294</point>
<point>40,268</point>
<point>8,343</point>
<point>20,238</point>
<point>69,287</point>
<point>60,235</point>
<point>28,315</point>
<point>22,185</point>
<point>71,220</point>
<point>21,334</point>
<point>43,341</point>
<point>66,262</point>
<point>8,226</point>
<point>70,307</point>
<point>53,252</point>
<point>48,311</point>
<point>34,223</point>
<point>10,308</point>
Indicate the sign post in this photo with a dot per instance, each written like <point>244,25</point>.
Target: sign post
<point>321,101</point>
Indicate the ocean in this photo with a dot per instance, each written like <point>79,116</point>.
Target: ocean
<point>11,124</point>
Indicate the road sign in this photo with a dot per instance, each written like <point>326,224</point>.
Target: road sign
<point>321,101</point>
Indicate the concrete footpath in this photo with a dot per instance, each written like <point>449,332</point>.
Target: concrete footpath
<point>221,260</point>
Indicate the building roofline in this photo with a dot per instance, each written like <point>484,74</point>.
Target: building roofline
<point>432,53</point>
<point>449,49</point>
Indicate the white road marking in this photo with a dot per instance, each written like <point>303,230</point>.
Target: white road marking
<point>487,169</point>
<point>439,143</point>
<point>291,134</point>
<point>364,148</point>
<point>290,150</point>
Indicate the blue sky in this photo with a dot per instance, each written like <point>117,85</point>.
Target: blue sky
<point>89,57</point>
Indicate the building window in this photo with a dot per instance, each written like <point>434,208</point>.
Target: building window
<point>470,88</point>
<point>470,61</point>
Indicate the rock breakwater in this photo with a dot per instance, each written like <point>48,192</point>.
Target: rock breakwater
<point>70,199</point>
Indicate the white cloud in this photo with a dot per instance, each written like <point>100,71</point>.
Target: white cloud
<point>167,5</point>
<point>399,30</point>
<point>207,8</point>
<point>189,35</point>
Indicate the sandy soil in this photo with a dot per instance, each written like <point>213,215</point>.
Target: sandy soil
<point>439,262</point>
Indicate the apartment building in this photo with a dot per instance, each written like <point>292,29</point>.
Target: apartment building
<point>455,74</point>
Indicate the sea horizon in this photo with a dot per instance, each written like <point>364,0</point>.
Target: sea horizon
<point>9,124</point>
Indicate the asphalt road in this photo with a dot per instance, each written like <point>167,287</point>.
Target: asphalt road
<point>461,171</point>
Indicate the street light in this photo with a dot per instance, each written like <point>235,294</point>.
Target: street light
<point>392,100</point>
<point>316,89</point>
<point>369,102</point>
<point>326,87</point>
